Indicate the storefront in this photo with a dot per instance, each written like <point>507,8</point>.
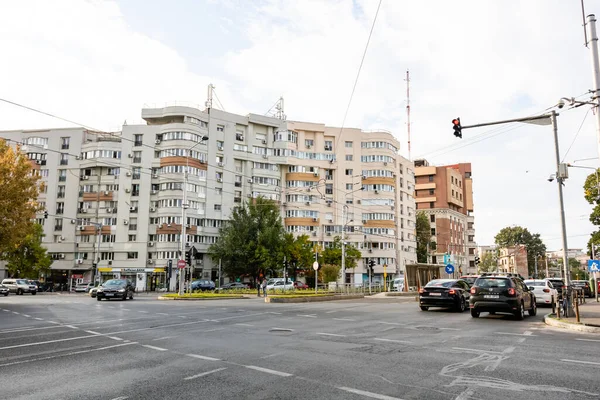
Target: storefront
<point>144,279</point>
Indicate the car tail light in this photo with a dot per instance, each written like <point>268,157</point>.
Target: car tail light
<point>546,290</point>
<point>451,291</point>
<point>473,290</point>
<point>421,290</point>
<point>511,291</point>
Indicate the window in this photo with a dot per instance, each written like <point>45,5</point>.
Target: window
<point>62,175</point>
<point>328,145</point>
<point>60,208</point>
<point>137,171</point>
<point>137,139</point>
<point>132,224</point>
<point>239,135</point>
<point>220,144</point>
<point>107,256</point>
<point>349,186</point>
<point>329,188</point>
<point>349,171</point>
<point>137,156</point>
<point>432,218</point>
<point>135,189</point>
<point>132,255</point>
<point>432,205</point>
<point>61,192</point>
<point>113,171</point>
<point>431,191</point>
<point>348,145</point>
<point>57,238</point>
<point>64,159</point>
<point>58,224</point>
<point>220,128</point>
<point>217,207</point>
<point>432,231</point>
<point>349,157</point>
<point>131,238</point>
<point>309,143</point>
<point>108,238</point>
<point>64,143</point>
<point>430,178</point>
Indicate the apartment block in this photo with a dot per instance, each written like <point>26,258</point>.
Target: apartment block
<point>445,194</point>
<point>513,260</point>
<point>115,199</point>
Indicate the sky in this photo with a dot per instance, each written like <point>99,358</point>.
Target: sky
<point>98,63</point>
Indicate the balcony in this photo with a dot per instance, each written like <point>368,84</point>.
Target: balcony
<point>137,160</point>
<point>64,162</point>
<point>62,178</point>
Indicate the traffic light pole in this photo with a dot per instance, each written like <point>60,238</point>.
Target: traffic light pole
<point>183,230</point>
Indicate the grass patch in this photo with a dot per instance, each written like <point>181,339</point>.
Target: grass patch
<point>203,296</point>
<point>298,295</point>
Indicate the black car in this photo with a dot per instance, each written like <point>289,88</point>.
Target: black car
<point>558,284</point>
<point>203,285</point>
<point>232,286</point>
<point>505,294</point>
<point>4,290</point>
<point>452,293</point>
<point>115,289</point>
<point>585,286</point>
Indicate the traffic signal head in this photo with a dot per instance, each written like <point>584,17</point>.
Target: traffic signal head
<point>45,214</point>
<point>477,260</point>
<point>457,127</point>
<point>188,257</point>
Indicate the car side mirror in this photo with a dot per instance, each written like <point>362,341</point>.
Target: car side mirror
<point>530,287</point>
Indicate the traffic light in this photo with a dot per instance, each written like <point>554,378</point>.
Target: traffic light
<point>371,265</point>
<point>169,267</point>
<point>457,127</point>
<point>45,214</point>
<point>188,257</point>
<point>477,260</point>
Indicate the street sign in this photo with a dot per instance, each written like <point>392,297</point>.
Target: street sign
<point>449,269</point>
<point>593,266</point>
<point>181,264</point>
<point>315,265</point>
<point>446,258</point>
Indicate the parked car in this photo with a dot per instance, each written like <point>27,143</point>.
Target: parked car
<point>202,285</point>
<point>470,279</point>
<point>300,285</point>
<point>558,284</point>
<point>20,286</point>
<point>115,288</point>
<point>4,290</point>
<point>232,286</point>
<point>398,285</point>
<point>84,287</point>
<point>280,284</point>
<point>585,286</point>
<point>451,293</point>
<point>543,290</point>
<point>501,293</point>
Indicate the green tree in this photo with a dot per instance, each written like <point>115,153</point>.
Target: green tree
<point>591,194</point>
<point>28,258</point>
<point>251,242</point>
<point>299,253</point>
<point>488,262</point>
<point>332,260</point>
<point>512,235</point>
<point>424,243</point>
<point>18,201</point>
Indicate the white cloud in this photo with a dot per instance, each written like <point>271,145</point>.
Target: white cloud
<point>479,60</point>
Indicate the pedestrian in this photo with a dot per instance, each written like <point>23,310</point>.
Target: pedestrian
<point>264,286</point>
<point>258,286</point>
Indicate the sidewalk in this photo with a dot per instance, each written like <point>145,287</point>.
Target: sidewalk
<point>589,317</point>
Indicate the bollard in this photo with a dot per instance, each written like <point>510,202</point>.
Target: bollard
<point>577,306</point>
<point>558,309</point>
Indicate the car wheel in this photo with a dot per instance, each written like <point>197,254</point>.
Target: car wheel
<point>520,313</point>
<point>474,313</point>
<point>33,293</point>
<point>424,308</point>
<point>6,294</point>
<point>533,310</point>
<point>19,291</point>
<point>98,298</point>
<point>461,305</point>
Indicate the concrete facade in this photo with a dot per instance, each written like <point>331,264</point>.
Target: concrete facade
<point>115,200</point>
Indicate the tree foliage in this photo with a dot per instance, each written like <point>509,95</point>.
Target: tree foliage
<point>513,235</point>
<point>332,260</point>
<point>591,194</point>
<point>28,258</point>
<point>488,262</point>
<point>18,197</point>
<point>252,241</point>
<point>298,252</point>
<point>424,242</point>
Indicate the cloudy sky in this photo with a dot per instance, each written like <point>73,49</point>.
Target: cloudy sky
<point>99,62</point>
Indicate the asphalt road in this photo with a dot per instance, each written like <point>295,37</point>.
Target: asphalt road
<point>73,347</point>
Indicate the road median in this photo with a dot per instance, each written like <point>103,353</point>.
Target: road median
<point>200,296</point>
<point>309,298</point>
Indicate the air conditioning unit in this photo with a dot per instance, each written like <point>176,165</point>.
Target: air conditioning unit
<point>79,261</point>
<point>125,222</point>
<point>376,191</point>
<point>127,190</point>
<point>308,203</point>
<point>81,228</point>
<point>116,176</point>
<point>73,221</point>
<point>370,250</point>
<point>130,155</point>
<point>220,180</point>
<point>316,174</point>
<point>152,209</point>
<point>264,141</point>
<point>132,208</point>
<point>331,161</point>
<point>385,164</point>
<point>109,262</point>
<point>128,173</point>
<point>38,162</point>
<point>85,178</point>
<point>328,233</point>
<point>62,255</point>
<point>328,204</point>
<point>106,192</point>
<point>265,156</point>
<point>220,164</point>
<point>150,261</point>
<point>315,219</point>
<point>157,141</point>
<point>150,244</point>
<point>109,210</point>
<point>241,137</point>
<point>250,180</point>
<point>153,192</point>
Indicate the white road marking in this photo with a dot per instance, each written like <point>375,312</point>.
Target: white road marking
<point>368,394</point>
<point>125,309</point>
<point>581,362</point>
<point>143,312</point>
<point>514,334</point>
<point>114,338</point>
<point>589,340</point>
<point>14,312</point>
<point>163,338</point>
<point>4,309</point>
<point>156,327</point>
<point>67,354</point>
<point>54,322</point>
<point>344,319</point>
<point>332,311</point>
<point>182,316</point>
<point>203,357</point>
<point>46,342</point>
<point>153,347</point>
<point>307,315</point>
<point>268,371</point>
<point>270,355</point>
<point>466,395</point>
<point>270,312</point>
<point>121,398</point>
<point>93,332</point>
<point>28,316</point>
<point>39,319</point>
<point>392,340</point>
<point>280,330</point>
<point>70,326</point>
<point>203,374</point>
<point>389,323</point>
<point>449,329</point>
<point>244,324</point>
<point>29,329</point>
<point>162,313</point>
<point>527,333</point>
<point>329,334</point>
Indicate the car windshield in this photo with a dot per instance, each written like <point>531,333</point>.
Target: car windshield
<point>469,279</point>
<point>557,282</point>
<point>535,283</point>
<point>492,282</point>
<point>22,282</point>
<point>114,282</point>
<point>440,282</point>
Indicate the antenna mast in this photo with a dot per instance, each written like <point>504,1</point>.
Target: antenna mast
<point>408,109</point>
<point>280,110</point>
<point>209,97</point>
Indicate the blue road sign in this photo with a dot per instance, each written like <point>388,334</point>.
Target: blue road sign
<point>593,265</point>
<point>449,269</point>
<point>446,258</point>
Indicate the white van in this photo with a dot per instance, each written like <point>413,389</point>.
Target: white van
<point>398,285</point>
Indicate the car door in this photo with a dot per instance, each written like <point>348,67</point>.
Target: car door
<point>466,290</point>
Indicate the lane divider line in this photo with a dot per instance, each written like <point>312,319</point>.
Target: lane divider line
<point>392,340</point>
<point>204,374</point>
<point>368,394</point>
<point>154,347</point>
<point>268,371</point>
<point>203,357</point>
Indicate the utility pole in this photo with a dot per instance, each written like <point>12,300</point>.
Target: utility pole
<point>183,227</point>
<point>547,272</point>
<point>535,273</point>
<point>408,110</point>
<point>593,45</point>
<point>344,244</point>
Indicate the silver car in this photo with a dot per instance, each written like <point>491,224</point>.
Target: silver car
<point>20,286</point>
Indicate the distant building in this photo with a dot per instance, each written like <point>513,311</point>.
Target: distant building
<point>513,260</point>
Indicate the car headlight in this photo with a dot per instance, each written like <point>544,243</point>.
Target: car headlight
<point>100,290</point>
<point>121,290</point>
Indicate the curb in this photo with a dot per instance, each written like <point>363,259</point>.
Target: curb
<point>568,325</point>
<point>310,299</point>
<point>198,298</point>
<point>401,294</point>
